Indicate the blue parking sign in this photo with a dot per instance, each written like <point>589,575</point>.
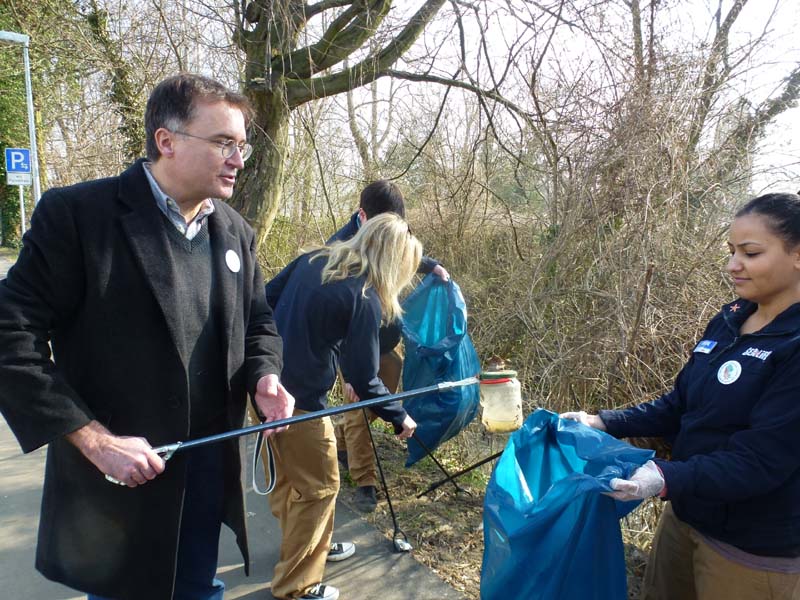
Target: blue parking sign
<point>18,166</point>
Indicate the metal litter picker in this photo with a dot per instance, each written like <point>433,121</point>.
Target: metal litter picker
<point>167,451</point>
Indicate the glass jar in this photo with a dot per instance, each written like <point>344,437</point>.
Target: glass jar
<point>501,399</point>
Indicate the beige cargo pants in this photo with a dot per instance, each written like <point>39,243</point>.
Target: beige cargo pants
<point>352,433</point>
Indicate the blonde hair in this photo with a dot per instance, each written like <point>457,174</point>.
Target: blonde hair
<point>385,251</point>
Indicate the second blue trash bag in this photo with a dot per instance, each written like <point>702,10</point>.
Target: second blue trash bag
<point>549,532</point>
<point>438,349</point>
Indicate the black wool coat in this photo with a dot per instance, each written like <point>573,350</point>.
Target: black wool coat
<point>95,279</point>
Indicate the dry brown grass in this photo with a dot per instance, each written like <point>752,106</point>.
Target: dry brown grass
<point>445,527</point>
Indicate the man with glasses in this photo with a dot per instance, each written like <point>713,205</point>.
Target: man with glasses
<point>147,287</point>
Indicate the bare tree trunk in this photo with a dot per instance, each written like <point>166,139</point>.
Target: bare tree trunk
<point>124,93</point>
<point>259,190</point>
<point>651,44</point>
<point>638,44</point>
<point>358,139</point>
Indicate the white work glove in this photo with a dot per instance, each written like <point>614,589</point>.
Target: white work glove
<point>585,419</point>
<point>646,481</point>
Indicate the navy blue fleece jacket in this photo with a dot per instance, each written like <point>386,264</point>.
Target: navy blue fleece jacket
<point>734,417</point>
<point>324,327</point>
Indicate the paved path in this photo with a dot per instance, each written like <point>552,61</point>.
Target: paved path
<point>7,258</point>
<point>375,572</point>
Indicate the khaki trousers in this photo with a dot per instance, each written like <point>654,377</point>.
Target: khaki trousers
<point>303,501</point>
<point>353,433</point>
<point>682,566</point>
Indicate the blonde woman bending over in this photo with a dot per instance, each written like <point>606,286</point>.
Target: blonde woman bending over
<point>329,304</point>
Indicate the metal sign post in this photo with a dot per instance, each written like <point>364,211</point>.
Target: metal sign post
<point>21,210</point>
<point>19,38</point>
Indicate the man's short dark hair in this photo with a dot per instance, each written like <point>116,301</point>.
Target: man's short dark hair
<point>382,196</point>
<point>173,102</point>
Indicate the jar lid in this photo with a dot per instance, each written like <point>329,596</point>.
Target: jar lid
<point>489,375</point>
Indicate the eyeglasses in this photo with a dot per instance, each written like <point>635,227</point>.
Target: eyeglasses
<point>228,147</point>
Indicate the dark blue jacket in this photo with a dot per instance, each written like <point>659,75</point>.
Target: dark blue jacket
<point>734,415</point>
<point>426,265</point>
<point>324,327</point>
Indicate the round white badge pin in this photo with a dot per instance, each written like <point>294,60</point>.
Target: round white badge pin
<point>232,260</point>
<point>729,372</point>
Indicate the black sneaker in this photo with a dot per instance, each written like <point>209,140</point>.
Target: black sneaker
<point>366,499</point>
<point>341,551</point>
<point>320,592</point>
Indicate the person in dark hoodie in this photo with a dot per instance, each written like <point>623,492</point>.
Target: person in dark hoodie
<point>731,527</point>
<point>352,435</point>
<point>329,305</point>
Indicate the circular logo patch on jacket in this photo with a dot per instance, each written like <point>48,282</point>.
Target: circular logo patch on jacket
<point>232,260</point>
<point>729,372</point>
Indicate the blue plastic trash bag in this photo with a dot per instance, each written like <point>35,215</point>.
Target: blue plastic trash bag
<point>549,533</point>
<point>438,349</point>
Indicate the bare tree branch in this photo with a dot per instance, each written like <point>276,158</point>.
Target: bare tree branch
<point>312,137</point>
<point>304,90</point>
<point>712,78</point>
<point>311,10</point>
<point>463,85</point>
<point>346,34</point>
<point>428,137</point>
<point>167,31</point>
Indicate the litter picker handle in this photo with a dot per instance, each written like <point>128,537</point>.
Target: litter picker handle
<point>327,412</point>
<point>167,451</point>
<point>164,452</point>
